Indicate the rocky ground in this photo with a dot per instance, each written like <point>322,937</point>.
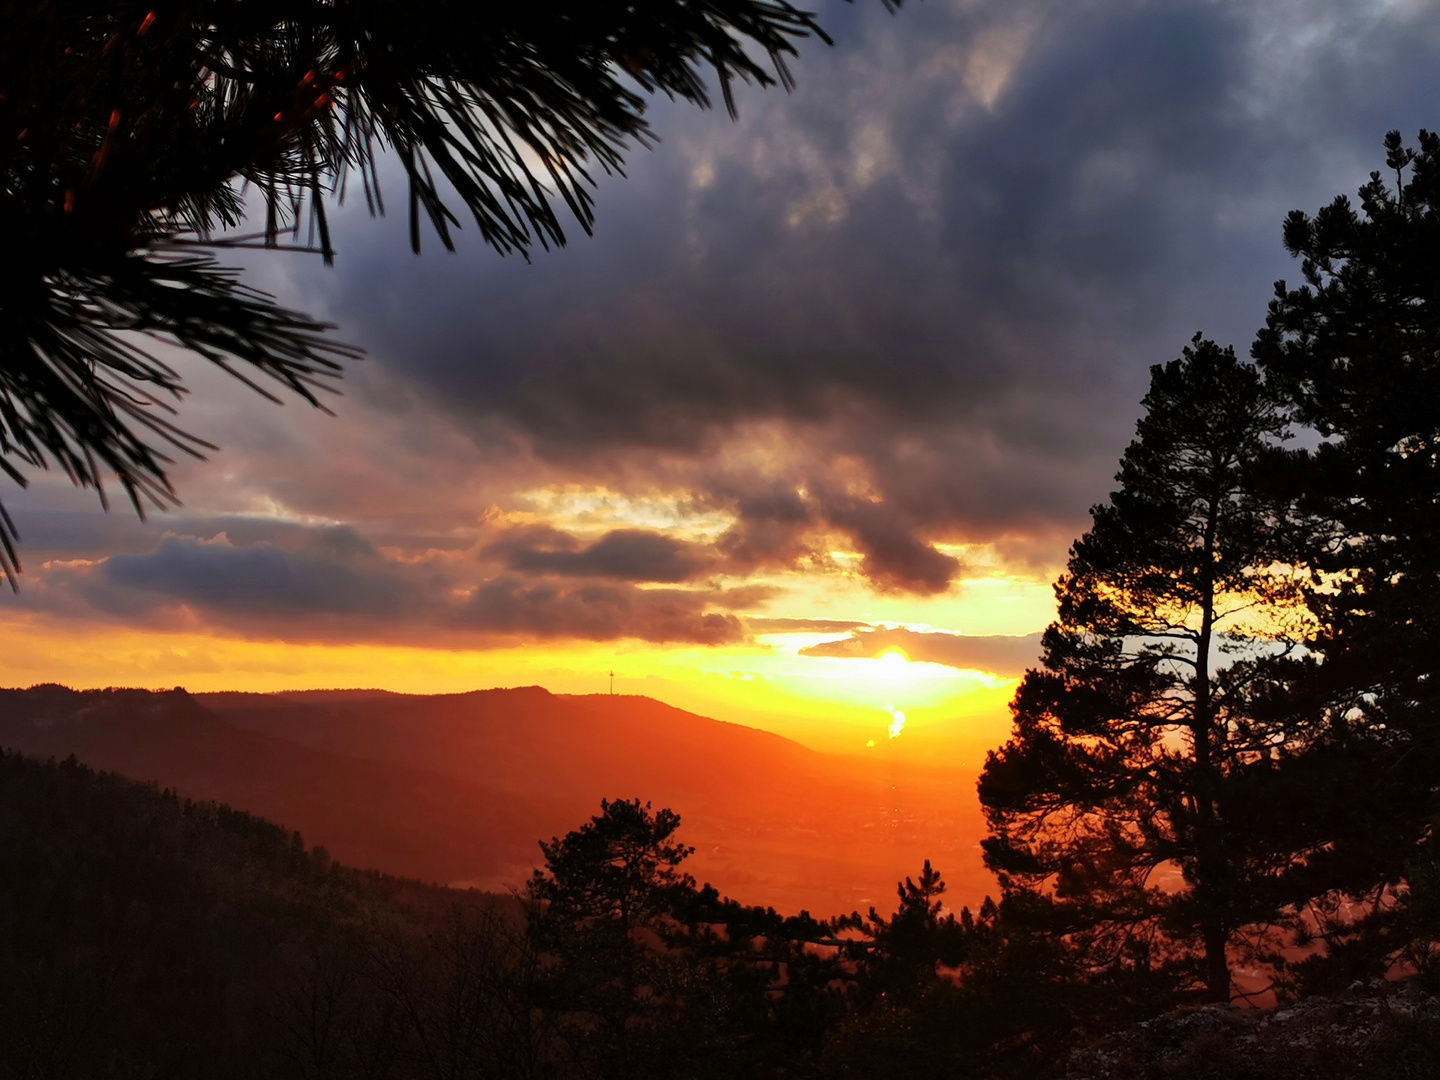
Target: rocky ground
<point>1389,1030</point>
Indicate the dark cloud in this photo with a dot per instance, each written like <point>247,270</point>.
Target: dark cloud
<point>945,261</point>
<point>999,655</point>
<point>253,579</point>
<point>912,303</point>
<point>624,554</point>
<point>894,557</point>
<point>771,522</point>
<point>330,583</point>
<point>318,577</point>
<point>601,612</point>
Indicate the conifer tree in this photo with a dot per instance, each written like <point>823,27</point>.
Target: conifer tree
<point>907,946</point>
<point>131,133</point>
<point>602,907</point>
<point>1354,349</point>
<point>1134,749</point>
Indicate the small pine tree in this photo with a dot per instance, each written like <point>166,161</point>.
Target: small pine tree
<point>908,945</point>
<point>602,908</point>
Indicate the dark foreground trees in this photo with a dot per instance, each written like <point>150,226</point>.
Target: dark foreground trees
<point>647,975</point>
<point>1119,797</point>
<point>1354,349</point>
<point>603,910</point>
<point>130,133</point>
<point>1233,745</point>
<point>642,974</point>
<point>143,935</point>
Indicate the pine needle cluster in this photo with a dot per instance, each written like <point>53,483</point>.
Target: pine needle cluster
<point>140,139</point>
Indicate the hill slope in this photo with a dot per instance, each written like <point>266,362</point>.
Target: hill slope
<point>370,814</point>
<point>142,935</point>
<point>458,788</point>
<point>527,740</point>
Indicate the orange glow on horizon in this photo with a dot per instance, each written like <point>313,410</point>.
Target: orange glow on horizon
<point>834,704</point>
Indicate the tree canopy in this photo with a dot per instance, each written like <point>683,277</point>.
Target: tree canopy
<point>1132,745</point>
<point>1354,352</point>
<point>1231,746</point>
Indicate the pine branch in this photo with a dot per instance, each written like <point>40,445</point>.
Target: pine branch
<point>132,133</point>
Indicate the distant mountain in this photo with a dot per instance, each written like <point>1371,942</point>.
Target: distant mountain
<point>529,741</point>
<point>458,788</point>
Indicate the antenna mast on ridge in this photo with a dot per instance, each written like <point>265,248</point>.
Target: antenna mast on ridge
<point>612,683</point>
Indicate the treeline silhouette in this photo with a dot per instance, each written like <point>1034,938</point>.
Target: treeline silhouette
<point>148,935</point>
<point>145,935</point>
<point>1229,755</point>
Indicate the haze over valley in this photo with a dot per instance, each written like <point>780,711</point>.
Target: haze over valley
<point>457,789</point>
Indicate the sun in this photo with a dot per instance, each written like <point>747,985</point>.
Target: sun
<point>895,674</point>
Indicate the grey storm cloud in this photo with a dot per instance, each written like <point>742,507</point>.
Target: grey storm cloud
<point>276,576</point>
<point>893,556</point>
<point>1000,655</point>
<point>913,302</point>
<point>603,611</point>
<point>261,578</point>
<point>329,582</point>
<point>638,555</point>
<point>949,256</point>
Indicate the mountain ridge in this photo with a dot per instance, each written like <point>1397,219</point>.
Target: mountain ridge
<point>458,788</point>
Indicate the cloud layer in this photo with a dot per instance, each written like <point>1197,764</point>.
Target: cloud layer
<point>930,281</point>
<point>328,583</point>
<point>907,309</point>
<point>1004,655</point>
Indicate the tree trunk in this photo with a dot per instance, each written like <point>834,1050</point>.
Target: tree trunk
<point>1217,964</point>
<point>1209,862</point>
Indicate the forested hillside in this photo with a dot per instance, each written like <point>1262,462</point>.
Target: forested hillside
<point>146,935</point>
<point>456,789</point>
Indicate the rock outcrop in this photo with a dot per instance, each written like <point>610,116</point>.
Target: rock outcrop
<point>1381,1029</point>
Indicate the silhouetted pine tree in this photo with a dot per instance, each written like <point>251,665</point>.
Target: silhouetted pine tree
<point>1125,803</point>
<point>130,131</point>
<point>1355,351</point>
<point>602,908</point>
<point>908,946</point>
<point>937,993</point>
<point>646,975</point>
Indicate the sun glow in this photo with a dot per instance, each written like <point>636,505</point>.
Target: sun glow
<point>897,722</point>
<point>834,704</point>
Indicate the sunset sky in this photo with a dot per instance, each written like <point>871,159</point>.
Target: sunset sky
<point>801,436</point>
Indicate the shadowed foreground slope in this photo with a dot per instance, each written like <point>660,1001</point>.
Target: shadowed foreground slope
<point>144,935</point>
<point>458,788</point>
